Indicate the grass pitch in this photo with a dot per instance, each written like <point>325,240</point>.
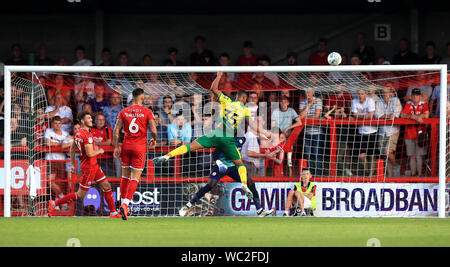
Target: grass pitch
<point>224,231</point>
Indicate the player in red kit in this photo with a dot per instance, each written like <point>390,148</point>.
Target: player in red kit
<point>135,120</point>
<point>90,170</point>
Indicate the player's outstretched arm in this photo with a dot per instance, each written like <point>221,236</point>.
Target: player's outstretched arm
<point>117,128</point>
<point>215,84</point>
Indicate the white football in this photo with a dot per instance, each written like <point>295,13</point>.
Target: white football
<point>334,58</point>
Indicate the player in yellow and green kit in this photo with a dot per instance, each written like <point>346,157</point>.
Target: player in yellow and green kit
<point>232,115</point>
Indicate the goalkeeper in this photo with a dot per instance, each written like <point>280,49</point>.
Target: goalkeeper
<point>221,167</point>
<point>232,114</point>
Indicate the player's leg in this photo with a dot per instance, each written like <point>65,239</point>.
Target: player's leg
<point>289,201</point>
<point>136,167</point>
<point>124,181</point>
<point>80,194</point>
<point>181,150</point>
<point>107,192</point>
<point>199,194</point>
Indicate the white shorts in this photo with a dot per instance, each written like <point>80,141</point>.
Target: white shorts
<point>307,203</point>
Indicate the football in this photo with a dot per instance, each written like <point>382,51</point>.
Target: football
<point>334,58</point>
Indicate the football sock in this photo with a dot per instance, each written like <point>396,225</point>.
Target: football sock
<point>179,151</point>
<point>200,193</point>
<point>242,173</point>
<point>66,198</point>
<point>123,188</point>
<point>110,200</point>
<point>131,189</point>
<point>256,199</point>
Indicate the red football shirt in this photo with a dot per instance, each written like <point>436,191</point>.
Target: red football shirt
<point>412,109</point>
<point>135,122</point>
<point>82,138</point>
<point>102,135</point>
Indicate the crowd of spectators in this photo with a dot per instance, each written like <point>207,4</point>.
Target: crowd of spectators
<point>179,119</point>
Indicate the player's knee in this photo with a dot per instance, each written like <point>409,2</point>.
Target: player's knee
<point>81,193</point>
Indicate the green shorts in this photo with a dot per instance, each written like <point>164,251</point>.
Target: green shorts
<point>218,139</point>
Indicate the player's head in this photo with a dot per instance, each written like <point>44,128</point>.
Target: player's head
<point>241,96</point>
<point>138,96</point>
<point>85,119</point>
<point>305,175</point>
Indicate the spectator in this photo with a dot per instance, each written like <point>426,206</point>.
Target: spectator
<point>99,103</point>
<point>365,145</point>
<point>430,54</point>
<point>415,134</point>
<point>147,60</point>
<point>40,127</point>
<point>292,58</point>
<point>265,61</point>
<point>311,108</point>
<point>106,57</point>
<point>338,106</point>
<point>162,136</point>
<point>18,133</point>
<point>248,58</point>
<point>181,105</point>
<point>302,196</point>
<point>62,61</point>
<point>80,55</point>
<point>436,96</point>
<point>365,52</point>
<point>59,86</point>
<point>202,56</point>
<point>112,111</point>
<point>426,89</point>
<point>275,157</point>
<point>320,57</point>
<point>57,137</point>
<point>179,132</point>
<point>42,57</point>
<point>225,60</point>
<point>16,56</point>
<point>123,58</point>
<point>166,111</point>
<point>446,60</point>
<point>102,134</point>
<point>84,90</point>
<point>372,93</point>
<point>87,107</point>
<point>251,154</point>
<point>388,108</point>
<point>61,111</point>
<point>404,55</point>
<point>172,60</point>
<point>382,60</point>
<point>284,116</point>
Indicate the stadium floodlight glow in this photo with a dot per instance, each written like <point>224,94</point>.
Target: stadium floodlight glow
<point>439,69</point>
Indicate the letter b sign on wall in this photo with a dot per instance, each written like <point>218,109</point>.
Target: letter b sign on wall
<point>382,32</point>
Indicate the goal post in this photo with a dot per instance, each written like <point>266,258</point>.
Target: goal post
<point>441,69</point>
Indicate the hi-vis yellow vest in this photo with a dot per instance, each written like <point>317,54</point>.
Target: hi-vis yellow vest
<point>310,187</point>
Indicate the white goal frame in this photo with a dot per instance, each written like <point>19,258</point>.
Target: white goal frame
<point>442,68</point>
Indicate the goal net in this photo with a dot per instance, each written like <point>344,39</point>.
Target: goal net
<point>370,136</point>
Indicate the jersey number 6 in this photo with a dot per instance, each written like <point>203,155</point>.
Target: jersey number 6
<point>134,128</point>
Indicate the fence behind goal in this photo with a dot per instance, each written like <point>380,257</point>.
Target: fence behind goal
<point>349,125</point>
